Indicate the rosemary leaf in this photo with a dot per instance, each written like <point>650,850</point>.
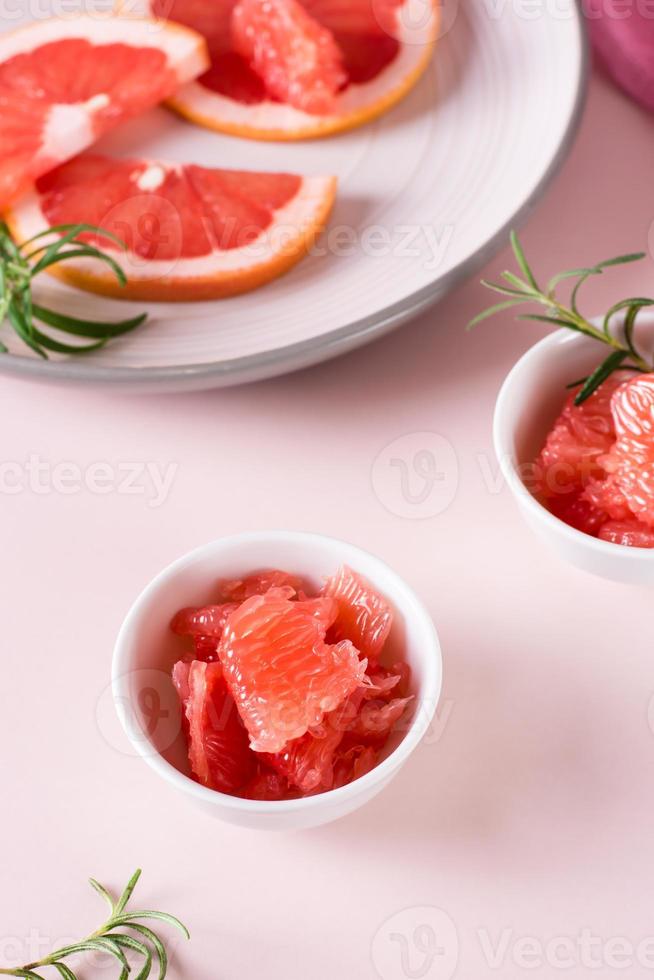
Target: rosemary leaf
<point>497,308</point>
<point>522,262</point>
<point>82,252</point>
<point>599,376</point>
<point>49,343</point>
<point>619,335</point>
<point>108,940</point>
<point>87,328</point>
<point>73,231</point>
<point>20,265</point>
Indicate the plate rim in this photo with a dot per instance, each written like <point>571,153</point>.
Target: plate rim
<point>304,353</point>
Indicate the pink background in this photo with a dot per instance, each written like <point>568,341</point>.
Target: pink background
<point>530,816</point>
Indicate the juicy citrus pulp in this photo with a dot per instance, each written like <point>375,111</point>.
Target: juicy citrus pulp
<point>191,232</point>
<point>363,615</point>
<point>312,713</point>
<point>282,674</point>
<point>596,470</point>
<point>63,83</point>
<point>218,743</point>
<point>288,69</point>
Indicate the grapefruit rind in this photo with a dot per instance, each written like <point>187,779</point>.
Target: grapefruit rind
<point>65,129</point>
<point>359,104</point>
<point>219,275</point>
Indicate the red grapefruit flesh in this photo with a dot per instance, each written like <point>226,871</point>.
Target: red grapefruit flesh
<point>282,674</point>
<point>632,533</point>
<point>204,625</point>
<point>353,763</point>
<point>579,512</point>
<point>297,58</point>
<point>316,717</point>
<point>238,590</point>
<point>630,463</point>
<point>308,762</point>
<point>580,435</point>
<point>603,450</point>
<point>265,785</point>
<point>291,69</point>
<point>377,719</point>
<point>191,233</point>
<point>363,616</point>
<point>203,620</point>
<point>63,83</point>
<point>219,754</point>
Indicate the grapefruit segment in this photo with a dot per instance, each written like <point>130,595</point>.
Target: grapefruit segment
<point>63,83</point>
<point>192,233</point>
<point>580,511</point>
<point>353,763</point>
<point>310,714</point>
<point>630,463</point>
<point>632,533</point>
<point>282,674</point>
<point>240,589</point>
<point>307,763</point>
<point>579,436</point>
<point>297,58</point>
<point>265,785</point>
<point>604,452</point>
<point>363,615</point>
<point>376,719</point>
<point>198,621</point>
<point>294,69</point>
<point>218,745</point>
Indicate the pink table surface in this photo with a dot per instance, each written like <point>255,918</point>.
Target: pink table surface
<point>526,817</point>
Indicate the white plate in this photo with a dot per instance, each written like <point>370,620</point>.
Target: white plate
<point>426,194</point>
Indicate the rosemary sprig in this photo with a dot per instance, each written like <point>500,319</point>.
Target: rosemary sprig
<point>618,334</point>
<point>112,939</point>
<point>20,264</point>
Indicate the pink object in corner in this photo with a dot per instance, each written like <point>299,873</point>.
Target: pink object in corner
<point>623,37</point>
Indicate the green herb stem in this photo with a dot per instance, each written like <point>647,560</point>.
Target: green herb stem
<point>112,940</point>
<point>624,352</point>
<point>20,264</point>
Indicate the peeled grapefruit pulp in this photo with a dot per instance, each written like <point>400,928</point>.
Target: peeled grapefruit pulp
<point>63,83</point>
<point>273,708</point>
<point>596,470</point>
<point>192,233</point>
<point>292,69</point>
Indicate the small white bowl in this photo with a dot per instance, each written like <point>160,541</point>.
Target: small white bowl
<point>146,650</point>
<point>528,403</point>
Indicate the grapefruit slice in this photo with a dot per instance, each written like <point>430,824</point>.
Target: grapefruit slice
<point>282,674</point>
<point>191,233</point>
<point>363,616</point>
<point>65,82</point>
<point>217,741</point>
<point>293,69</point>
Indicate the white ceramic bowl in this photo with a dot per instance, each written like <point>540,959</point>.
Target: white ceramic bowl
<point>146,651</point>
<point>529,401</point>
